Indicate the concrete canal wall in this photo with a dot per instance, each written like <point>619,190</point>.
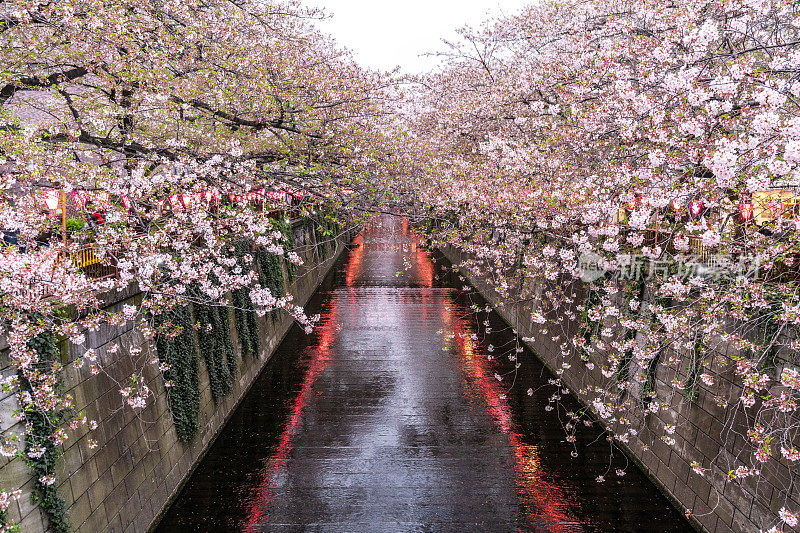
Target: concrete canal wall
<point>139,463</point>
<point>705,432</point>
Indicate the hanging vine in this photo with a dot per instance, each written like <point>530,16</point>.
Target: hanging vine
<point>624,368</point>
<point>587,327</point>
<point>270,274</point>
<point>285,227</point>
<point>224,339</point>
<point>214,342</point>
<point>649,386</point>
<point>322,238</point>
<point>694,369</point>
<point>176,344</point>
<point>246,325</point>
<point>41,451</point>
<point>176,347</point>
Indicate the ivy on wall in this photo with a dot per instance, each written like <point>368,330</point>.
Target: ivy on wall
<point>769,317</point>
<point>649,386</point>
<point>176,347</point>
<point>694,368</point>
<point>319,238</point>
<point>588,328</point>
<point>624,368</point>
<point>245,318</point>
<point>214,340</point>
<point>285,227</point>
<point>41,451</point>
<point>223,316</point>
<point>270,274</point>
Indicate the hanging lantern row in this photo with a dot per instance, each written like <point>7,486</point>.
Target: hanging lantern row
<point>81,198</point>
<point>52,197</point>
<point>696,207</point>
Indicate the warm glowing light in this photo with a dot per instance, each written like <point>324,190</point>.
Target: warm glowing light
<point>174,200</point>
<point>51,199</point>
<point>126,202</point>
<point>695,208</point>
<point>746,211</point>
<point>677,205</point>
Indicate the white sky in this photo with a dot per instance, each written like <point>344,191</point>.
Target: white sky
<point>386,33</point>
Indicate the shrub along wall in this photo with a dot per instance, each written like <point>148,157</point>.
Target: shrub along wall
<point>125,480</point>
<point>738,506</point>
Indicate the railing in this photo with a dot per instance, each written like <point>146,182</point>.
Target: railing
<point>95,262</point>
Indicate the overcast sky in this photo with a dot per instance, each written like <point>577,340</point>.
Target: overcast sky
<point>387,33</point>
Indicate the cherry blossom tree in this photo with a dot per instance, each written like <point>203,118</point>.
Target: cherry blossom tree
<point>608,161</point>
<point>178,128</point>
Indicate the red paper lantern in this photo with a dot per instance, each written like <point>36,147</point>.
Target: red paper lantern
<point>51,199</point>
<point>746,211</point>
<point>695,208</point>
<point>79,198</point>
<point>126,202</point>
<point>677,205</point>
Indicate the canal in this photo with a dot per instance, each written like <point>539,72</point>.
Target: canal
<point>391,417</point>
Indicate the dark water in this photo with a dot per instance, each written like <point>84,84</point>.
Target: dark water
<point>389,418</point>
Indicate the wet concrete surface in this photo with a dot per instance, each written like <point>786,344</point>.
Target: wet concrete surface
<point>389,417</point>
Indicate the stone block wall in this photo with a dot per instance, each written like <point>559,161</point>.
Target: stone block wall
<point>705,432</point>
<point>126,482</point>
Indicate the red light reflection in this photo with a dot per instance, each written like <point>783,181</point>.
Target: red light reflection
<point>262,496</point>
<point>425,267</point>
<point>355,262</point>
<point>548,504</point>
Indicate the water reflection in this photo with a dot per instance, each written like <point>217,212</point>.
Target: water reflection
<point>389,417</point>
<point>543,503</point>
<point>260,498</point>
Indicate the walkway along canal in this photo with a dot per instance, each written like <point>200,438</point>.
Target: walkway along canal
<point>390,417</point>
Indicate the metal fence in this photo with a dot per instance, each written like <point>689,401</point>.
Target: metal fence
<point>95,262</point>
